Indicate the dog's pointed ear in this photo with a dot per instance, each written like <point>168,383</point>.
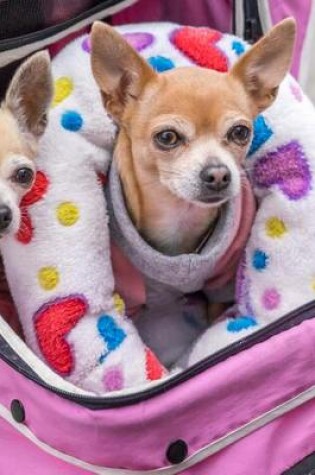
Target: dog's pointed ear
<point>118,69</point>
<point>265,65</point>
<point>30,93</point>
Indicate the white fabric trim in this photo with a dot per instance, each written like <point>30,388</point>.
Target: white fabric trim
<point>306,74</point>
<point>7,57</point>
<point>264,15</point>
<point>239,18</point>
<point>194,459</point>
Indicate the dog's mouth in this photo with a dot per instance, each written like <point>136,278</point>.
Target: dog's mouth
<point>211,199</point>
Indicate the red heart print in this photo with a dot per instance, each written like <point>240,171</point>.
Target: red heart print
<point>53,321</point>
<point>36,193</point>
<point>154,369</point>
<point>199,44</point>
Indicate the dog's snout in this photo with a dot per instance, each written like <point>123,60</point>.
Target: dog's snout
<point>216,177</point>
<point>5,217</point>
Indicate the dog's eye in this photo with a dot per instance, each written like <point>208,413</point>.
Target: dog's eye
<point>240,134</point>
<point>167,139</point>
<point>23,176</point>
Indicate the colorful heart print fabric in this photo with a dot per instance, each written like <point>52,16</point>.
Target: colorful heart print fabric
<point>58,264</point>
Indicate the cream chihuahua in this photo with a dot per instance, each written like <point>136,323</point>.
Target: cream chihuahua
<point>184,134</point>
<point>22,122</point>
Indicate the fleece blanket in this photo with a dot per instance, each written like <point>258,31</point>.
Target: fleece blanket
<point>59,266</point>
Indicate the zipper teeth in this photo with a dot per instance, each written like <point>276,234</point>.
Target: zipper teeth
<point>28,38</point>
<point>286,322</point>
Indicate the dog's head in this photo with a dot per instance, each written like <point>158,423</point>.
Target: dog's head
<point>189,128</point>
<point>23,117</point>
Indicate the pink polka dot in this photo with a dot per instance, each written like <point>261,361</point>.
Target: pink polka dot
<point>271,299</point>
<point>113,379</point>
<point>296,91</point>
<point>86,44</point>
<point>139,41</point>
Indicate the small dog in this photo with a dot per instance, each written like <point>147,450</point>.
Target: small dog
<point>184,134</point>
<point>182,140</point>
<point>22,122</point>
<point>23,116</point>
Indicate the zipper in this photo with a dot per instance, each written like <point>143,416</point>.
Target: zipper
<point>234,17</point>
<point>304,467</point>
<point>290,320</point>
<point>252,25</point>
<point>12,43</point>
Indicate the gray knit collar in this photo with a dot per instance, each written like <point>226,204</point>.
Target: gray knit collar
<point>186,272</point>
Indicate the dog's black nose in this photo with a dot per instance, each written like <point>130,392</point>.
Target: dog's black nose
<point>5,217</point>
<point>216,177</point>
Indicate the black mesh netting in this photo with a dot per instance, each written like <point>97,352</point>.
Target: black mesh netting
<point>25,21</point>
<point>20,17</point>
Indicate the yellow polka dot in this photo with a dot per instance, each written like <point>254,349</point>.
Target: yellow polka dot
<point>275,227</point>
<point>63,87</point>
<point>313,284</point>
<point>48,278</point>
<point>119,304</point>
<point>68,213</point>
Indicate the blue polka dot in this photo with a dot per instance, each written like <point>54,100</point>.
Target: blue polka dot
<point>259,260</point>
<point>111,333</point>
<point>71,120</point>
<point>240,323</point>
<point>160,63</point>
<point>262,132</point>
<point>238,47</point>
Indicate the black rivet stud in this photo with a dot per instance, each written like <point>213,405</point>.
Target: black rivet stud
<point>177,452</point>
<point>17,410</point>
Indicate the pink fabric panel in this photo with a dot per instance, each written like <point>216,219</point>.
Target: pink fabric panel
<point>19,456</point>
<point>270,450</point>
<point>300,9</point>
<point>187,12</point>
<point>199,411</point>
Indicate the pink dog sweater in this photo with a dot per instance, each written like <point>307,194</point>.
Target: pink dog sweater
<point>167,295</point>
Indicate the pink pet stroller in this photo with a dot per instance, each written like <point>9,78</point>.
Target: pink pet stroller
<point>249,409</point>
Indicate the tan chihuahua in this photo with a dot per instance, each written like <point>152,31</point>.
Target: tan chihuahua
<point>23,117</point>
<point>184,134</point>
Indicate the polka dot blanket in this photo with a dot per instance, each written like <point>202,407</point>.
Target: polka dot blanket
<point>58,265</point>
